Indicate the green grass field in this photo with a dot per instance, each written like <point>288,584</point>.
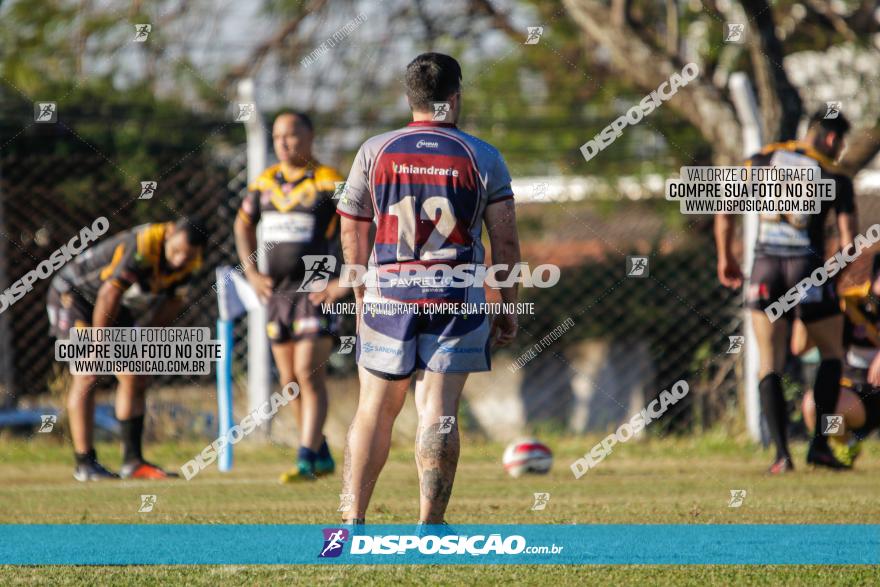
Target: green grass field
<point>680,481</point>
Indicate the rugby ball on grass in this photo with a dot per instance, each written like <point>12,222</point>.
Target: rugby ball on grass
<point>528,455</point>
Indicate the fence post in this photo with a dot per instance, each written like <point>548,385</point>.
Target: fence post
<point>7,349</point>
<point>259,371</point>
<point>749,116</point>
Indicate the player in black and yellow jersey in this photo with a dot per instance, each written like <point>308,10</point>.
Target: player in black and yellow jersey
<point>293,204</point>
<point>135,278</point>
<point>859,402</point>
<point>788,249</point>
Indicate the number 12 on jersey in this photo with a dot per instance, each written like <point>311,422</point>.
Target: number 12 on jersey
<point>436,210</point>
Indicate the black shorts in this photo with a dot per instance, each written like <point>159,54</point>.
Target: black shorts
<point>772,277</point>
<point>856,380</point>
<point>71,310</point>
<point>291,316</point>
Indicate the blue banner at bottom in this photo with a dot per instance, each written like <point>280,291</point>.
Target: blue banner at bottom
<point>183,544</point>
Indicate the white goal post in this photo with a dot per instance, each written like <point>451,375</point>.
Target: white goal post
<point>749,116</point>
<point>235,297</point>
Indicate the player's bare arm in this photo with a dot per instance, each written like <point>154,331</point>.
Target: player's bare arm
<point>107,304</point>
<point>355,244</point>
<point>503,236</point>
<point>847,224</point>
<point>874,371</point>
<point>355,235</point>
<point>334,291</point>
<point>729,272</point>
<point>246,245</point>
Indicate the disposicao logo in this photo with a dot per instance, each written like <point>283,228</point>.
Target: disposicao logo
<point>334,539</point>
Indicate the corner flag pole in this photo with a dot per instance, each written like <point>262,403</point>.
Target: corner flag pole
<point>224,389</point>
<point>749,116</point>
<point>235,298</point>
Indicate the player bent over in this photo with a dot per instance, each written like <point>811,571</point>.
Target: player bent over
<point>859,402</point>
<point>293,203</point>
<point>428,188</point>
<point>788,249</point>
<point>135,278</point>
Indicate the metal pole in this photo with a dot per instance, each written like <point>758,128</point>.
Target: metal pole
<point>749,116</point>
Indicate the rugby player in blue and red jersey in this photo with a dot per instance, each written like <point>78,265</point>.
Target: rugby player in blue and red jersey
<point>427,188</point>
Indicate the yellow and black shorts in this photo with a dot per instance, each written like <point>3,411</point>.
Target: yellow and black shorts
<point>291,316</point>
<point>71,310</point>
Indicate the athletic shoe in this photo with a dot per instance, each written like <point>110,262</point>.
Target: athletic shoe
<point>92,471</point>
<point>824,457</point>
<point>324,466</point>
<point>304,471</point>
<point>781,466</point>
<point>846,452</point>
<point>144,470</point>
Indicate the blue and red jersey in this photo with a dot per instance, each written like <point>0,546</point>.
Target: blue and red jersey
<point>426,187</point>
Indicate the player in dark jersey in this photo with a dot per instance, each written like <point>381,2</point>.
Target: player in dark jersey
<point>859,402</point>
<point>428,188</point>
<point>293,204</point>
<point>789,248</point>
<point>136,278</point>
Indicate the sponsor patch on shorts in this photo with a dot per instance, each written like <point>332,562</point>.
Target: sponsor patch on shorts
<point>758,291</point>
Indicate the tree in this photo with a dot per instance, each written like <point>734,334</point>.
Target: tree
<point>645,49</point>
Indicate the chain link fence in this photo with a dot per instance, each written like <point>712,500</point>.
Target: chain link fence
<point>631,335</point>
<point>635,336</point>
<point>48,199</point>
<point>627,332</point>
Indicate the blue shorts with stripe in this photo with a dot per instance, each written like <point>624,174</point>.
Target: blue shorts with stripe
<point>400,343</point>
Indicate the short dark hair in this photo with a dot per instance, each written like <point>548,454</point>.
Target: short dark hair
<point>195,229</point>
<point>839,125</point>
<point>303,117</point>
<point>431,77</point>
